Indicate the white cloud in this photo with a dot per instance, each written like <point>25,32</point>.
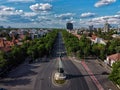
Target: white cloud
<point>41,7</point>
<point>29,14</point>
<point>21,0</point>
<point>65,16</point>
<point>10,14</point>
<point>114,19</point>
<point>104,2</point>
<point>88,14</point>
<point>7,11</point>
<point>44,18</point>
<point>4,8</point>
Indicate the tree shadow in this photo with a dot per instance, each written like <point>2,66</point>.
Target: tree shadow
<point>28,73</point>
<point>15,82</point>
<point>72,76</point>
<point>39,60</point>
<point>27,70</point>
<point>20,75</point>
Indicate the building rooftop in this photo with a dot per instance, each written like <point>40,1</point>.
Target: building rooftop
<point>114,57</point>
<point>93,37</point>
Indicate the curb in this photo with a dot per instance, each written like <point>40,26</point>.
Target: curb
<point>118,86</point>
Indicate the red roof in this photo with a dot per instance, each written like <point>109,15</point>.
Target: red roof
<point>78,36</point>
<point>114,57</point>
<point>22,36</point>
<point>6,45</point>
<point>93,37</point>
<point>6,49</point>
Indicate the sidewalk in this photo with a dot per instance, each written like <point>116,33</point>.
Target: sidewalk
<point>108,68</point>
<point>96,82</point>
<point>93,78</point>
<point>97,68</point>
<point>105,65</point>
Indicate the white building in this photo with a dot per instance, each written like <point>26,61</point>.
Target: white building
<point>96,39</point>
<point>112,58</point>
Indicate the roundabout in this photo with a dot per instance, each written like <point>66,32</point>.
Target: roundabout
<point>59,77</point>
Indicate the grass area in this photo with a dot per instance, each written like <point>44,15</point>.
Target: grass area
<point>60,81</point>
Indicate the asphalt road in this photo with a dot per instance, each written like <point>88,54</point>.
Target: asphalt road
<point>101,73</point>
<point>75,80</point>
<point>39,75</point>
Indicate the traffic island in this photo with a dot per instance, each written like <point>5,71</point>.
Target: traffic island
<point>59,79</point>
<point>60,82</point>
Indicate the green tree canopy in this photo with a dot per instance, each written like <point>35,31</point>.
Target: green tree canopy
<point>2,59</point>
<point>115,74</point>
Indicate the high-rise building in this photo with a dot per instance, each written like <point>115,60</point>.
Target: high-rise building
<point>118,30</point>
<point>91,28</point>
<point>69,26</point>
<point>106,27</point>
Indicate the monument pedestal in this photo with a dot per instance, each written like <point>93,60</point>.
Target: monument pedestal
<point>59,76</point>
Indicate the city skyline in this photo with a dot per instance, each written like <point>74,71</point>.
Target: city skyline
<point>56,13</point>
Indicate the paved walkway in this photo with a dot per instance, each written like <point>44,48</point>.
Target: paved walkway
<point>92,76</point>
<point>96,71</point>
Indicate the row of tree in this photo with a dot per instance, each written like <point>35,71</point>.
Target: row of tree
<point>43,46</point>
<point>71,42</point>
<point>34,49</point>
<point>75,46</point>
<point>84,47</point>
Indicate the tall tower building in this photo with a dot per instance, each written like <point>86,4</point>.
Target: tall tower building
<point>118,30</point>
<point>69,26</point>
<point>91,27</point>
<point>106,27</point>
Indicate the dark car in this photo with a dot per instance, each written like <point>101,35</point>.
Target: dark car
<point>105,73</point>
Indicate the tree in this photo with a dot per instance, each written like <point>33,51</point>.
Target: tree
<point>31,52</point>
<point>113,46</point>
<point>41,46</point>
<point>71,42</point>
<point>16,55</point>
<point>2,60</point>
<point>99,50</point>
<point>41,50</point>
<point>85,45</point>
<point>115,74</point>
<point>117,49</point>
<point>27,38</point>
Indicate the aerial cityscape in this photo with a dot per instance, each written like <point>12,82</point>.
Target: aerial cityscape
<point>59,45</point>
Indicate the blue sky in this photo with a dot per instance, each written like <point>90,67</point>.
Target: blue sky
<point>56,13</point>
